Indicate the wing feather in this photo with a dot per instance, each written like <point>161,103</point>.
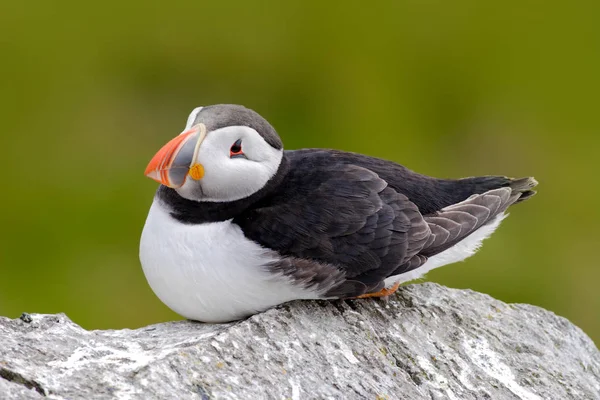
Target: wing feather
<point>464,218</point>
<point>350,219</point>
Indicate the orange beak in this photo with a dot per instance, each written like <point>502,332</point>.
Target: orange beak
<point>176,159</point>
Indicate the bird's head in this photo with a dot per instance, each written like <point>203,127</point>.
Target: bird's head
<point>225,153</point>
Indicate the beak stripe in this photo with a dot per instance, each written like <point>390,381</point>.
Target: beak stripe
<point>172,162</point>
<point>200,140</point>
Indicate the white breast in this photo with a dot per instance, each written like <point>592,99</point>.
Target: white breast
<point>210,272</point>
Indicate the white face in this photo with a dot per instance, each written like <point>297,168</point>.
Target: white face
<point>228,178</point>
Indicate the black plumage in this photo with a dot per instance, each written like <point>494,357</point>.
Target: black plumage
<point>345,222</point>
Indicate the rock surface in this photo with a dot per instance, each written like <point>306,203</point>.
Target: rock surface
<point>427,342</point>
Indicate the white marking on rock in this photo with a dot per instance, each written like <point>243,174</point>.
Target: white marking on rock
<point>347,353</point>
<point>482,355</point>
<point>465,373</point>
<point>295,390</point>
<point>435,379</point>
<point>133,353</point>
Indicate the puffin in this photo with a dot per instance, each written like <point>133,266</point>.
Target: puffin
<point>239,225</point>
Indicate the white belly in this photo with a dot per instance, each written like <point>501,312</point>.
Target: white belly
<point>210,272</point>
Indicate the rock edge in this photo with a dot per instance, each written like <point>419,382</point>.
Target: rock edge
<point>427,341</point>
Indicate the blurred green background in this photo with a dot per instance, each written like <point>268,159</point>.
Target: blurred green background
<point>90,91</point>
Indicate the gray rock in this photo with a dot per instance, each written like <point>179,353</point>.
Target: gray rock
<point>426,342</point>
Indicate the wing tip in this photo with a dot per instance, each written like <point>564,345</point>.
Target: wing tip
<point>523,188</point>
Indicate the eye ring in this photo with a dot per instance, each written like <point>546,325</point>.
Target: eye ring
<point>236,149</point>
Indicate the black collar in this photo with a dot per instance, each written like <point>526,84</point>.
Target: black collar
<point>198,212</point>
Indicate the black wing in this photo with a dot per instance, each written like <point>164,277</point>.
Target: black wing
<point>368,218</point>
<point>428,193</point>
<point>339,215</point>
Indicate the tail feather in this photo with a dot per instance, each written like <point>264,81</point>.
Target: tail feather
<point>523,187</point>
<point>455,222</point>
<point>478,215</point>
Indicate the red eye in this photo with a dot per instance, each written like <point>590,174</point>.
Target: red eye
<point>236,149</point>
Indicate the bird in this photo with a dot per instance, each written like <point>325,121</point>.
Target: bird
<point>239,225</point>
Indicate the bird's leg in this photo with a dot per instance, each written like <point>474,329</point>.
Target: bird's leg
<point>385,292</point>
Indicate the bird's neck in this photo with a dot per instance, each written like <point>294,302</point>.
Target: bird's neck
<point>198,212</point>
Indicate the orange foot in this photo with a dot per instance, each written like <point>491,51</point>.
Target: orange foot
<point>382,293</point>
